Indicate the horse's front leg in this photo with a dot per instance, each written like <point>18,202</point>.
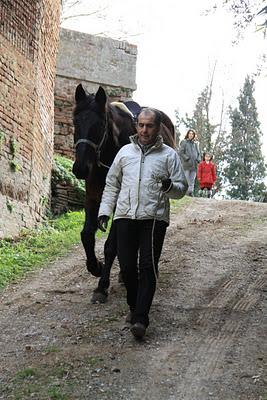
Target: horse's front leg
<point>110,251</point>
<point>88,238</point>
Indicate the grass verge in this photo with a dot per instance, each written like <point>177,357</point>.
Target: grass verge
<point>177,204</point>
<point>37,247</point>
<point>34,248</point>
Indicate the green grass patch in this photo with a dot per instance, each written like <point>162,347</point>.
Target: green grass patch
<point>94,360</point>
<point>52,349</point>
<point>34,248</point>
<point>176,204</point>
<point>55,393</point>
<point>26,373</point>
<point>47,383</point>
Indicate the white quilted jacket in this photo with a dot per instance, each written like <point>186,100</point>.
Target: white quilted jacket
<point>133,183</point>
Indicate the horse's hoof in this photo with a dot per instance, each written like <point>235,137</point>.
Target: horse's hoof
<point>99,297</point>
<point>95,270</point>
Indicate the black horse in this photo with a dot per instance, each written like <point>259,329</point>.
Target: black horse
<point>100,130</point>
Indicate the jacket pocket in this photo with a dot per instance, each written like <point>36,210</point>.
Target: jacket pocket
<point>155,207</point>
<point>124,202</point>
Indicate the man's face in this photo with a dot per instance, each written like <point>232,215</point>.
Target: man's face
<point>147,131</point>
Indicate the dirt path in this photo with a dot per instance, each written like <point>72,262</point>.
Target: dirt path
<point>207,338</point>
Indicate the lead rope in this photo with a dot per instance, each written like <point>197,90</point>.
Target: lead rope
<point>160,197</point>
<point>100,163</point>
<point>161,194</point>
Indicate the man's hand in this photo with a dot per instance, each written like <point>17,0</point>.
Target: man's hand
<point>102,222</point>
<point>166,185</point>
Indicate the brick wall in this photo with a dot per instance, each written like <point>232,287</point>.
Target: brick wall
<point>92,61</point>
<point>29,33</point>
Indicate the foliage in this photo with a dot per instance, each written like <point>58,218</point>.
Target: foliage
<point>26,373</point>
<point>200,120</point>
<point>37,247</point>
<point>62,174</point>
<point>245,12</point>
<point>14,147</point>
<point>14,166</point>
<point>9,205</point>
<point>2,137</point>
<point>39,383</point>
<point>13,144</point>
<point>55,393</point>
<point>177,125</point>
<point>177,204</point>
<point>246,169</point>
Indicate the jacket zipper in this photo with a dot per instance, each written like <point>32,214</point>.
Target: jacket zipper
<point>142,160</point>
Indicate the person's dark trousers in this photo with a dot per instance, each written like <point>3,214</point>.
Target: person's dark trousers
<point>135,236</point>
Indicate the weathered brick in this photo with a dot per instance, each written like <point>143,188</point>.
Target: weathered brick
<point>29,33</point>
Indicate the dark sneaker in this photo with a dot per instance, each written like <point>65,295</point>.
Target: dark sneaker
<point>138,330</point>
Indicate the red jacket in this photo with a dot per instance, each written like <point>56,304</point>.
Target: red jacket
<point>206,173</point>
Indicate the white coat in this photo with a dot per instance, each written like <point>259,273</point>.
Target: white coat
<point>133,183</point>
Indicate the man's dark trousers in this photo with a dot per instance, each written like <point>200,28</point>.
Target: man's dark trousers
<point>135,236</point>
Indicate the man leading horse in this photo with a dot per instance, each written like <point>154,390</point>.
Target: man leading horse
<point>141,179</point>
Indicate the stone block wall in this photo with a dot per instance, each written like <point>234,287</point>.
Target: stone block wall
<point>92,61</point>
<point>29,33</point>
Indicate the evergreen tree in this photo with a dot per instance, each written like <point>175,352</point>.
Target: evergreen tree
<point>177,125</point>
<point>246,169</point>
<point>200,120</point>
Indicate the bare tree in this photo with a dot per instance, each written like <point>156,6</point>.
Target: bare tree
<point>68,9</point>
<point>245,12</point>
<point>99,17</point>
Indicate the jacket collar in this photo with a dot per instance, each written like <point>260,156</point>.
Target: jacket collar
<point>158,143</point>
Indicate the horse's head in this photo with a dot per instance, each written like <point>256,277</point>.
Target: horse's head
<point>90,130</point>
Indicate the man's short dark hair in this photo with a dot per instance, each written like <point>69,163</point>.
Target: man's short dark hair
<point>157,114</point>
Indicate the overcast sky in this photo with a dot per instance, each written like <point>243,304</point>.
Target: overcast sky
<point>178,46</point>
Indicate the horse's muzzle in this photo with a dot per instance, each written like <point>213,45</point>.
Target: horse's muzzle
<point>80,172</point>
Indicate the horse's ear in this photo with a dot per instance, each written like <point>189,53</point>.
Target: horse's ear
<point>80,93</point>
<point>101,98</point>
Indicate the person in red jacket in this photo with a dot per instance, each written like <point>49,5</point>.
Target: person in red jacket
<point>206,174</point>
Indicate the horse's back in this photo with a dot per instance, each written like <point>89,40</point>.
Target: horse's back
<point>167,129</point>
